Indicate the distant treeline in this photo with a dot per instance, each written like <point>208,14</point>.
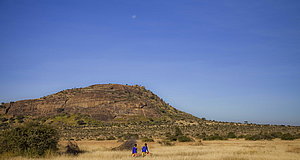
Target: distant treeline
<point>260,136</point>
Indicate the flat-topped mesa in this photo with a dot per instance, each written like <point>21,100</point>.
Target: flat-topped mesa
<point>102,102</point>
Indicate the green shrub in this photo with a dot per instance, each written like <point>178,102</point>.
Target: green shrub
<point>253,137</point>
<point>214,137</point>
<point>259,137</point>
<point>177,136</point>
<point>31,139</point>
<point>231,135</point>
<point>184,139</point>
<point>288,136</point>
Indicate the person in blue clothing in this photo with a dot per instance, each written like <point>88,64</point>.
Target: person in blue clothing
<point>145,150</point>
<point>134,150</point>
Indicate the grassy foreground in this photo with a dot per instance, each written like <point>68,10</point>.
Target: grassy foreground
<point>210,150</point>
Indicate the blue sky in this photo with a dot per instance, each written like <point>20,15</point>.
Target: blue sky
<point>227,60</point>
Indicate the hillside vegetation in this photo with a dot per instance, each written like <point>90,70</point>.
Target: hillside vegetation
<point>114,111</point>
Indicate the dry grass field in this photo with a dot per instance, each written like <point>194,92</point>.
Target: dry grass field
<point>210,150</point>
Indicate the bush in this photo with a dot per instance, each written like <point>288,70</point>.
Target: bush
<point>31,139</point>
<point>146,139</point>
<point>177,136</point>
<point>214,137</point>
<point>253,137</point>
<point>231,135</point>
<point>184,139</point>
<point>288,136</point>
<point>166,143</point>
<point>259,137</point>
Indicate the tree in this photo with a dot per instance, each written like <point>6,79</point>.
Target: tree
<point>31,139</point>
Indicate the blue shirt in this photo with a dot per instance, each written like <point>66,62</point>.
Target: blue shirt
<point>145,149</point>
<point>134,150</point>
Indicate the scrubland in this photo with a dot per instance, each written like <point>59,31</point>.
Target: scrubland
<point>207,150</point>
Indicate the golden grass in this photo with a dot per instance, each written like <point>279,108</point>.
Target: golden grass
<point>210,150</point>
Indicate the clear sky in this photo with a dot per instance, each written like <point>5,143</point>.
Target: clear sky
<point>230,60</point>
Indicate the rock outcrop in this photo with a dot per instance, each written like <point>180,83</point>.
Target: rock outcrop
<point>104,102</point>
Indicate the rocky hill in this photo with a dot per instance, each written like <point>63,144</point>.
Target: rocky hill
<point>102,110</point>
<point>104,102</point>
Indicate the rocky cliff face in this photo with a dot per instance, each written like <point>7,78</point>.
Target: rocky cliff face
<point>104,102</point>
